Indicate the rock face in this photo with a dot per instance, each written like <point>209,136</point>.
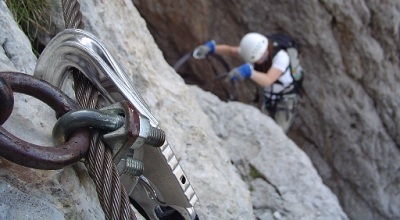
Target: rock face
<point>348,115</point>
<point>239,161</point>
<point>281,178</point>
<point>29,193</point>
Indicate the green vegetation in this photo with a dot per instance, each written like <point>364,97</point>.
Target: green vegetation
<point>33,18</point>
<point>254,173</point>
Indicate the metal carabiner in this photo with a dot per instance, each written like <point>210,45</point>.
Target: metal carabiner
<point>81,50</point>
<point>32,155</point>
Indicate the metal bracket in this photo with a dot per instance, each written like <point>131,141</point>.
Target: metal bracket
<point>81,50</point>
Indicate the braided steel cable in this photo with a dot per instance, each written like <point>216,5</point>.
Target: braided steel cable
<point>72,14</point>
<point>112,194</point>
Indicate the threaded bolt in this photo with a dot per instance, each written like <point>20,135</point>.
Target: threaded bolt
<point>156,137</point>
<point>133,167</point>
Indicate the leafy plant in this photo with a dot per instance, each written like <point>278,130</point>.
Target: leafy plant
<point>33,18</point>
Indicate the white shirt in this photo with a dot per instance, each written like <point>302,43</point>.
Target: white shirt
<point>281,62</point>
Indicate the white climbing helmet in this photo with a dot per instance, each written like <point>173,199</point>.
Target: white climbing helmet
<point>253,46</point>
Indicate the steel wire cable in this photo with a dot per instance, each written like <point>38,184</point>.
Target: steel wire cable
<point>112,194</point>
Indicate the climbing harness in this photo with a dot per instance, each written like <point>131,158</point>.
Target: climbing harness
<point>125,151</point>
<point>282,110</point>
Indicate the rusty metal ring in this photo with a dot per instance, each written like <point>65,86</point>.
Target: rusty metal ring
<point>6,100</point>
<point>32,155</point>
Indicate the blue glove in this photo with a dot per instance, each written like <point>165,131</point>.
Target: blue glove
<point>203,50</point>
<point>241,72</point>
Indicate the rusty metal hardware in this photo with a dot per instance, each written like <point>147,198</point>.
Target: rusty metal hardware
<point>35,156</point>
<point>6,101</point>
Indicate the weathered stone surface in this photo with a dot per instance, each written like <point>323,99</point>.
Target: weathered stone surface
<point>202,143</point>
<point>348,115</point>
<point>188,130</point>
<point>280,176</point>
<point>29,193</point>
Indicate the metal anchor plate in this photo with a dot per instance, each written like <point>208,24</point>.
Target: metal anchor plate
<point>81,50</point>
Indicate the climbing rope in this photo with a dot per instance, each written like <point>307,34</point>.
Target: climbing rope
<point>112,194</point>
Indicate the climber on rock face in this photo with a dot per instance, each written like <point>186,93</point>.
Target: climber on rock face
<point>268,66</point>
